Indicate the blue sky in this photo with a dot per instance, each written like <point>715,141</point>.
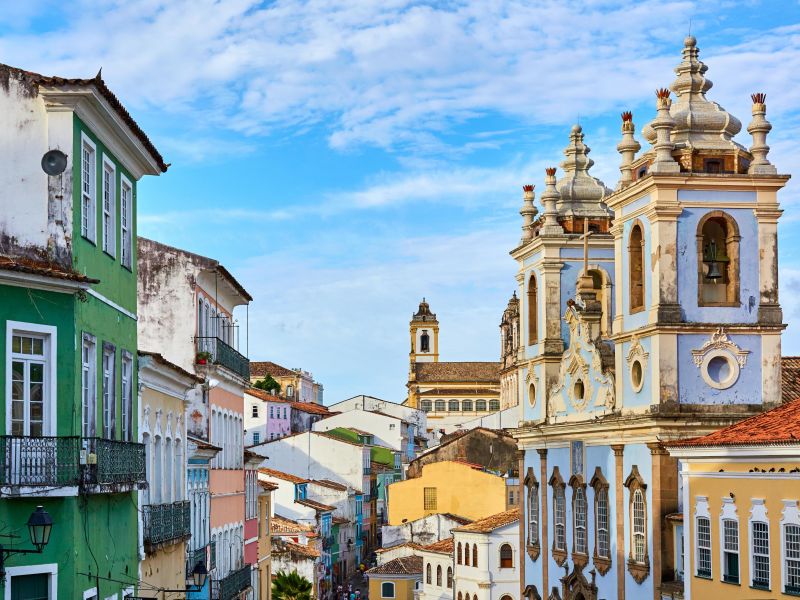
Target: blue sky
<point>344,159</point>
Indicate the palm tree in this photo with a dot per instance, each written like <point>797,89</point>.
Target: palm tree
<point>291,586</point>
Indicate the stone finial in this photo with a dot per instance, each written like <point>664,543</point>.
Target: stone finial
<point>663,124</point>
<point>528,212</point>
<point>627,148</point>
<point>581,194</point>
<point>550,198</point>
<point>759,127</point>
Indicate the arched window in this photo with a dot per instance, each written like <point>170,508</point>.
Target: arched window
<point>636,267</point>
<point>439,575</point>
<point>602,290</point>
<point>429,574</point>
<point>450,577</point>
<point>466,554</point>
<point>148,465</point>
<point>474,596</point>
<point>474,555</point>
<point>533,512</point>
<point>387,589</point>
<point>506,557</point>
<point>169,460</point>
<point>579,518</point>
<point>425,341</point>
<point>638,559</point>
<point>466,405</point>
<point>559,517</point>
<point>639,531</point>
<point>458,554</point>
<point>480,405</point>
<point>158,465</point>
<point>426,406</point>
<point>717,260</point>
<point>460,596</point>
<point>533,308</point>
<point>452,406</point>
<point>494,405</point>
<point>602,540</point>
<point>440,405</point>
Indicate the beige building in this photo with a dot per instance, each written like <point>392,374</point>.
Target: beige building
<point>265,539</point>
<point>296,384</point>
<point>451,393</point>
<point>397,579</point>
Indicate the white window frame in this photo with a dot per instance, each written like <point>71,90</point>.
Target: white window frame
<point>109,396</point>
<point>126,221</point>
<point>109,217</point>
<point>90,230</point>
<point>48,569</point>
<point>90,368</point>
<point>728,513</point>
<point>789,516</point>
<point>51,383</point>
<point>758,514</point>
<point>701,511</point>
<point>126,399</point>
<point>533,515</point>
<point>90,594</point>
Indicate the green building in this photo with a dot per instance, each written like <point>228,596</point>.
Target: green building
<point>72,157</point>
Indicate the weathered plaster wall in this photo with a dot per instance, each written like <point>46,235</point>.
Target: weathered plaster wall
<point>493,450</point>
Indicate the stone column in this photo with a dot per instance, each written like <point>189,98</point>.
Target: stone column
<point>619,490</point>
<point>522,520</point>
<point>544,540</point>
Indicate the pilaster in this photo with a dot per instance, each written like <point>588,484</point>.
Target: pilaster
<point>767,215</point>
<point>523,522</point>
<point>619,488</point>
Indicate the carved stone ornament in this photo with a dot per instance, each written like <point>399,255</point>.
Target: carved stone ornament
<point>720,346</point>
<point>575,585</point>
<point>635,354</point>
<point>720,341</point>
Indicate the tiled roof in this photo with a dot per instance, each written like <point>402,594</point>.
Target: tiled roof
<point>476,391</point>
<point>442,546</point>
<point>318,506</point>
<point>411,545</point>
<point>330,484</point>
<point>98,83</point>
<point>781,425</point>
<point>405,565</point>
<point>43,268</point>
<point>339,520</point>
<point>489,524</point>
<point>262,395</point>
<point>282,475</point>
<point>458,371</point>
<point>457,518</point>
<point>283,525</point>
<point>302,550</point>
<point>268,485</point>
<point>790,377</point>
<point>314,409</point>
<point>265,367</point>
<point>163,361</point>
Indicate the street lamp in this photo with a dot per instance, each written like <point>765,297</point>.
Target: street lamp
<point>40,524</point>
<point>199,576</point>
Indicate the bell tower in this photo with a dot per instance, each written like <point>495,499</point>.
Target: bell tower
<point>424,329</point>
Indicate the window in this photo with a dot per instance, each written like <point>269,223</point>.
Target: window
<point>533,307</point>
<point>387,589</point>
<point>429,574</point>
<point>791,551</point>
<point>636,267</point>
<point>425,341</point>
<point>506,557</point>
<point>290,391</point>
<point>255,410</point>
<point>88,386</point>
<point>579,519</point>
<point>458,553</point>
<point>466,405</point>
<point>256,438</point>
<point>440,405</point>
<point>559,515</point>
<point>109,391</point>
<point>474,555</point>
<point>533,508</point>
<point>109,208</point>
<point>450,578</point>
<point>452,406</point>
<point>717,260</point>
<point>429,498</point>
<point>703,547</point>
<point>639,530</point>
<point>494,405</point>
<point>126,214</point>
<point>88,184</point>
<point>28,384</point>
<point>638,556</point>
<point>730,550</point>
<point>759,545</point>
<point>466,554</point>
<point>480,406</point>
<point>426,406</point>
<point>576,453</point>
<point>439,575</point>
<point>127,396</point>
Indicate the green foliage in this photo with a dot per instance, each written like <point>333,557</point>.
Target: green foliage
<point>268,384</point>
<point>291,586</point>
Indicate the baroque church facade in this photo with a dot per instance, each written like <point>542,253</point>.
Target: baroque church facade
<point>644,314</point>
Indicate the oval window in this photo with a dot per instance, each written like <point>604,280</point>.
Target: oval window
<point>578,390</point>
<point>532,394</point>
<point>636,375</point>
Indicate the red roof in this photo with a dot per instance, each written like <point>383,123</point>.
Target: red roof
<point>780,425</point>
<point>489,524</point>
<point>442,546</point>
<point>44,268</point>
<point>282,475</point>
<point>790,377</point>
<point>264,367</point>
<point>262,395</point>
<point>318,506</point>
<point>314,409</point>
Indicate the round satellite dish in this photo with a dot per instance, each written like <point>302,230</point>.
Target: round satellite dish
<point>54,162</point>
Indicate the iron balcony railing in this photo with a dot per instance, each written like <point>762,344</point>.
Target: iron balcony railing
<point>200,555</point>
<point>234,584</point>
<point>113,462</point>
<point>166,522</point>
<point>221,353</point>
<point>49,461</point>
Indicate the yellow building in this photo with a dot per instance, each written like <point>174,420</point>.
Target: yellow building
<point>296,384</point>
<point>265,540</point>
<point>741,508</point>
<point>447,487</point>
<point>396,579</point>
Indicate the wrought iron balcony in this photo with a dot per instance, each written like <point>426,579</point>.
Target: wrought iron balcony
<point>46,462</point>
<point>233,584</point>
<point>166,523</point>
<point>114,464</point>
<point>222,354</point>
<point>199,555</point>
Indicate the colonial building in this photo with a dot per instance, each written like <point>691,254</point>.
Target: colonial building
<point>266,417</point>
<point>396,579</point>
<point>449,392</point>
<point>647,313</point>
<point>296,384</point>
<point>72,158</point>
<point>493,449</point>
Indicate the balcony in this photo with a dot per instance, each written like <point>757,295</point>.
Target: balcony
<point>200,555</point>
<point>113,465</point>
<point>234,584</point>
<point>50,463</point>
<point>224,355</point>
<point>165,523</point>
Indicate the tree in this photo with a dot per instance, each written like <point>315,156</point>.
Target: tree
<point>291,586</point>
<point>268,384</point>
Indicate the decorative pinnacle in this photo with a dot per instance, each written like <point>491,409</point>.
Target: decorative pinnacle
<point>662,93</point>
<point>759,127</point>
<point>759,98</point>
<point>550,171</point>
<point>627,116</point>
<point>528,188</point>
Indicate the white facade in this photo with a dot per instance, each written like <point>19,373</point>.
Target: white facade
<point>370,403</point>
<point>388,431</point>
<point>504,419</point>
<point>426,530</point>
<point>437,576</point>
<point>491,579</point>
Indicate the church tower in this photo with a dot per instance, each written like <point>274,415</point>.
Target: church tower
<point>424,329</point>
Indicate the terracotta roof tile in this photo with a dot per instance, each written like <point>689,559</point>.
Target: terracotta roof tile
<point>283,525</point>
<point>488,372</point>
<point>781,425</point>
<point>442,546</point>
<point>411,545</point>
<point>339,520</point>
<point>268,485</point>
<point>282,475</point>
<point>306,551</point>
<point>163,361</point>
<point>43,268</point>
<point>405,565</point>
<point>330,484</point>
<point>262,395</point>
<point>262,368</point>
<point>790,377</point>
<point>318,506</point>
<point>457,518</point>
<point>489,524</point>
<point>314,409</point>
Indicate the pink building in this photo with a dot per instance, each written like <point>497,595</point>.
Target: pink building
<point>267,417</point>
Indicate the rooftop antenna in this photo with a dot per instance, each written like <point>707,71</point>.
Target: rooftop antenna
<point>690,25</point>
